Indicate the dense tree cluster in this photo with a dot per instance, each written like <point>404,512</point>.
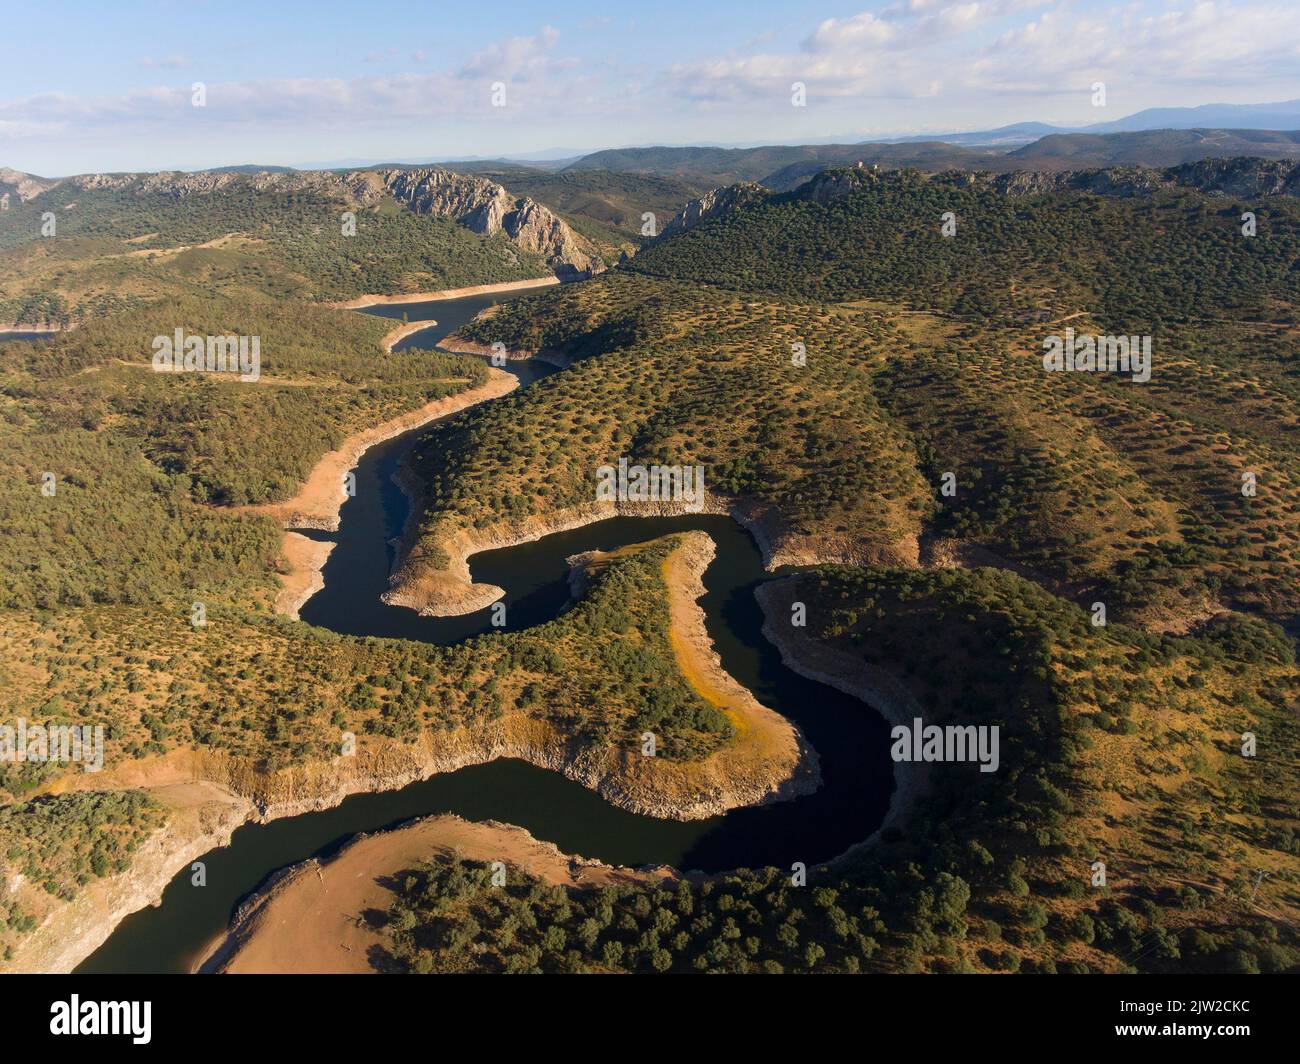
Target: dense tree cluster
<point>991,872</point>
<point>1130,260</point>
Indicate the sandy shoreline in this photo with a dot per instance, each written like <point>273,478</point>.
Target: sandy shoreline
<point>318,502</point>
<point>327,917</point>
<point>359,302</point>
<point>306,558</point>
<point>403,331</point>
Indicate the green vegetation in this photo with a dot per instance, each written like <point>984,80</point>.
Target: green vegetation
<point>65,841</point>
<point>923,357</point>
<point>137,456</point>
<point>1116,745</point>
<point>276,694</point>
<point>1102,488</point>
<point>120,247</point>
<point>1133,262</point>
<point>674,374</point>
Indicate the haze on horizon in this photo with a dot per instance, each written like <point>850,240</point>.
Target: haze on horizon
<point>89,89</point>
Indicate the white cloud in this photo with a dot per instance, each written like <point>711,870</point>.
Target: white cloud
<point>382,99</point>
<point>912,65</point>
<point>965,48</point>
<point>174,62</point>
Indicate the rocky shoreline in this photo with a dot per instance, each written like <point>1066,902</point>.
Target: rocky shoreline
<point>202,817</point>
<point>317,504</point>
<point>404,330</point>
<point>434,590</point>
<point>868,683</point>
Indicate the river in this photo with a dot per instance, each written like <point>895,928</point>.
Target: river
<point>850,738</point>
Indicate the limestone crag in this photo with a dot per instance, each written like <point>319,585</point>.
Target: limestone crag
<point>484,207</point>
<point>480,205</point>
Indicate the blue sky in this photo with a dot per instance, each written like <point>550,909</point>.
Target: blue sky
<point>95,86</point>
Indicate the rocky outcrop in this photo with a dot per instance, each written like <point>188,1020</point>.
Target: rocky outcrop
<point>711,204</point>
<point>480,205</point>
<point>18,187</point>
<point>484,207</point>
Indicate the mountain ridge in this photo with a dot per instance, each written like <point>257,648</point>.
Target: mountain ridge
<point>478,204</point>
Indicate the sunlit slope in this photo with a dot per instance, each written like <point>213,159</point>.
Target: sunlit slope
<point>1132,246</point>
<point>1100,487</point>
<point>121,245</point>
<point>687,376</point>
<point>139,459</point>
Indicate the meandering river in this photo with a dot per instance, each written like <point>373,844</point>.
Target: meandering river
<point>850,738</point>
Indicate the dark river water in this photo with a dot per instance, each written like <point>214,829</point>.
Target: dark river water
<point>850,738</point>
<point>10,334</point>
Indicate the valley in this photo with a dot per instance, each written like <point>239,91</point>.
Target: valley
<point>422,624</point>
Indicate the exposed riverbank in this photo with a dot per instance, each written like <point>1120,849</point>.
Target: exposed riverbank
<point>462,346</point>
<point>318,502</point>
<point>767,759</point>
<point>394,336</point>
<point>360,302</point>
<point>869,683</point>
<point>305,559</point>
<point>201,816</point>
<point>326,916</point>
<point>432,576</point>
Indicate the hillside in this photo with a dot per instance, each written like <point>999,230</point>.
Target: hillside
<point>124,239</point>
<point>832,362</point>
<point>1156,148</point>
<point>783,167</point>
<point>1028,245</point>
<point>924,356</point>
<point>989,872</point>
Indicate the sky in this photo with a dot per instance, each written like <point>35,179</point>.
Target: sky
<point>111,86</point>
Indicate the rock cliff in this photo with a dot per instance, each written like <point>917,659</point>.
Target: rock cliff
<point>486,208</point>
<point>711,204</point>
<point>480,205</point>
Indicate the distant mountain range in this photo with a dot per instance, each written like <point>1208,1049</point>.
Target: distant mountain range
<point>1284,115</point>
<point>782,167</point>
<point>1156,137</point>
<point>1259,116</point>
